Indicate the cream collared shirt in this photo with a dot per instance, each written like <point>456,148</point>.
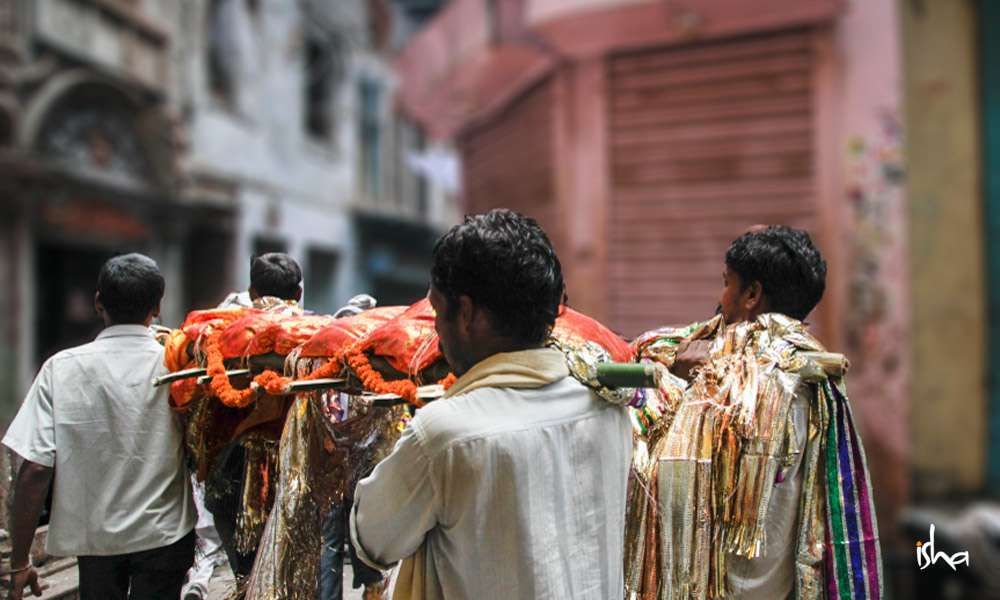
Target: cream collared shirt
<point>513,493</point>
<point>92,413</point>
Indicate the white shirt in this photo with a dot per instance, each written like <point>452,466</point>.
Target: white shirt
<point>92,413</point>
<point>516,493</point>
<point>771,576</point>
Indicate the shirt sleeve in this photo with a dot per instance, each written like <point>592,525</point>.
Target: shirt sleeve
<point>32,434</point>
<point>395,506</point>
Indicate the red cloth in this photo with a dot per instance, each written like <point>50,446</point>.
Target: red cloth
<point>408,342</point>
<point>235,339</point>
<point>574,326</point>
<point>201,321</point>
<point>337,336</point>
<point>284,335</point>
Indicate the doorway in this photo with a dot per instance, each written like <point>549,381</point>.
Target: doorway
<point>66,277</point>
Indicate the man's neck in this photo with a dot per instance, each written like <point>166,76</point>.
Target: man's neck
<point>110,323</point>
<point>498,347</point>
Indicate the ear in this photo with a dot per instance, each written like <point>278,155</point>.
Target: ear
<point>298,294</point>
<point>98,305</point>
<point>753,298</point>
<point>253,293</point>
<point>466,313</point>
<point>156,310</point>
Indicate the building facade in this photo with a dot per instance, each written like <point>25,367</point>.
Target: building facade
<point>88,166</point>
<point>291,122</point>
<point>202,132</point>
<point>645,136</point>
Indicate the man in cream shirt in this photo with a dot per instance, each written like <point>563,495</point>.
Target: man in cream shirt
<point>513,486</point>
<point>95,428</point>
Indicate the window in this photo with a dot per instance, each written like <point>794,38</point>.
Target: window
<point>265,245</point>
<point>94,132</point>
<point>423,193</point>
<point>320,71</point>
<point>321,281</point>
<point>222,51</point>
<point>370,134</point>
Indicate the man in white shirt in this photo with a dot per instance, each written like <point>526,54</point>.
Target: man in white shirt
<point>513,485</point>
<point>95,428</point>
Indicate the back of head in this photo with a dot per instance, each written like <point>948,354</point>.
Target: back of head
<point>504,262</point>
<point>130,287</point>
<point>276,274</point>
<point>788,266</point>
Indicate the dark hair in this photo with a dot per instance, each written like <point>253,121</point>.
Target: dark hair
<point>505,263</point>
<point>130,287</point>
<point>275,274</point>
<point>787,265</point>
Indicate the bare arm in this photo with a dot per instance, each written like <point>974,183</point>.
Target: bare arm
<point>30,489</point>
<point>690,356</point>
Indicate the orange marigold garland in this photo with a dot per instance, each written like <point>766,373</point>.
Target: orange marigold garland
<point>272,383</point>
<point>373,380</point>
<point>275,384</point>
<point>448,380</point>
<point>182,393</point>
<point>220,385</point>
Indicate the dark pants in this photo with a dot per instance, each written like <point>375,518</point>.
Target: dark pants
<point>223,498</point>
<point>156,574</point>
<point>331,558</point>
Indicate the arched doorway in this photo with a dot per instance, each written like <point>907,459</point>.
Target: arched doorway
<point>104,191</point>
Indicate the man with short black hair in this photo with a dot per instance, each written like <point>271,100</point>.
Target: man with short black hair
<point>789,512</point>
<point>772,269</point>
<point>274,276</point>
<point>93,425</point>
<point>275,284</point>
<point>513,485</point>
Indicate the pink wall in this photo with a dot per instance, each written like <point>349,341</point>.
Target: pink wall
<point>858,165</point>
<point>861,195</point>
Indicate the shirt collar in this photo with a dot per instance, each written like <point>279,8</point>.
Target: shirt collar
<point>124,331</point>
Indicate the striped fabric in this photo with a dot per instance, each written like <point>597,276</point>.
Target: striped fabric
<point>853,556</point>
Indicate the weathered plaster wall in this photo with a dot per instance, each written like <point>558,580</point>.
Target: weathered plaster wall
<point>945,207</point>
<point>863,233</point>
<point>291,187</point>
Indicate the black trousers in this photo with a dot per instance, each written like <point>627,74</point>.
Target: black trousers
<point>156,574</point>
<point>223,498</point>
<point>331,558</point>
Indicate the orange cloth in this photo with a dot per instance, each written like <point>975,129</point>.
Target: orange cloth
<point>572,325</point>
<point>408,342</point>
<point>293,332</point>
<point>338,336</point>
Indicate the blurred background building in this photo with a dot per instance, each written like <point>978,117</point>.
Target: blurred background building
<point>203,132</point>
<point>644,135</point>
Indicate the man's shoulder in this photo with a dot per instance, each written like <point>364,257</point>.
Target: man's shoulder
<point>73,353</point>
<point>490,410</point>
<point>104,349</point>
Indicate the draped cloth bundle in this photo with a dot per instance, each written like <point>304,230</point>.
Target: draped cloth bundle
<point>330,440</point>
<point>708,455</point>
<point>304,453</point>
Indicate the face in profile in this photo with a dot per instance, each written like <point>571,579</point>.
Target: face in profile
<point>732,292</point>
<point>446,326</point>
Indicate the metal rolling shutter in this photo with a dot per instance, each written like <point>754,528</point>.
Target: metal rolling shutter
<point>508,161</point>
<point>706,140</point>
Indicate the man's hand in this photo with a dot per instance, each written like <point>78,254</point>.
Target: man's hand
<point>23,579</point>
<point>690,356</point>
<point>30,488</point>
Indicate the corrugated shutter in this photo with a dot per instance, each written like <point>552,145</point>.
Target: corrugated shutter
<point>706,140</point>
<point>508,161</point>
